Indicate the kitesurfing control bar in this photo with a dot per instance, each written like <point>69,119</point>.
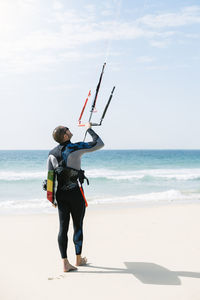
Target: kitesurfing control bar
<point>95,97</point>
<point>105,109</point>
<point>93,107</point>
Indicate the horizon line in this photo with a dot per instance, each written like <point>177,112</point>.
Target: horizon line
<point>116,149</point>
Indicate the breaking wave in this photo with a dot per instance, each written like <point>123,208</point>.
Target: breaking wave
<point>174,174</point>
<point>109,174</point>
<point>43,205</point>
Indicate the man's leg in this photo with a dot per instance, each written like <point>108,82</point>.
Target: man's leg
<point>77,207</point>
<point>64,217</point>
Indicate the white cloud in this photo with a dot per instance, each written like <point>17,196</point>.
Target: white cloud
<point>91,8</point>
<point>186,16</point>
<point>167,67</point>
<point>57,5</point>
<point>30,40</point>
<point>63,87</point>
<point>108,9</point>
<point>145,59</point>
<point>160,43</point>
<point>194,36</point>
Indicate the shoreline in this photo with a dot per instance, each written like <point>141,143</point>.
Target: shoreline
<point>97,206</point>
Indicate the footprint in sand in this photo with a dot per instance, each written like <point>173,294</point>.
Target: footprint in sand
<point>57,277</point>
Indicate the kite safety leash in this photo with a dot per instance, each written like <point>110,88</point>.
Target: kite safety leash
<point>82,193</point>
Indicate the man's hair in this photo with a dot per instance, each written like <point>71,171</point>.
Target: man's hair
<point>58,134</point>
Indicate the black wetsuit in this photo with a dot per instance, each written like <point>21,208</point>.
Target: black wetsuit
<point>69,197</point>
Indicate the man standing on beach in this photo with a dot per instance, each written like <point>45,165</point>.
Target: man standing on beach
<point>65,160</point>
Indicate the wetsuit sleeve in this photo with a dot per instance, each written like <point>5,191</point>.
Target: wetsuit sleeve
<point>96,143</point>
<point>73,159</point>
<point>52,162</point>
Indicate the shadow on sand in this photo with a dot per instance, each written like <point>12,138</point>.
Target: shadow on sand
<point>147,273</point>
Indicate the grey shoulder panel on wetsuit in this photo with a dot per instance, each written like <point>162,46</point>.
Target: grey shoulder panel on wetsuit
<point>52,162</point>
<point>54,158</point>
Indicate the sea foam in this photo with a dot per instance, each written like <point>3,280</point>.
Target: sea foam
<point>109,174</point>
<point>177,174</point>
<point>165,196</point>
<point>43,205</point>
<point>15,176</point>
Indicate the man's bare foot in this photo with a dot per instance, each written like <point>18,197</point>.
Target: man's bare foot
<point>81,261</point>
<point>67,267</point>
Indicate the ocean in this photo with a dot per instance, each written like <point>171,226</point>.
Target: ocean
<point>139,176</point>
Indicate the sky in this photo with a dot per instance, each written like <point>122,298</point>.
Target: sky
<point>52,53</point>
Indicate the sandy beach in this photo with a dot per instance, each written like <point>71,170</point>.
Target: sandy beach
<point>134,252</point>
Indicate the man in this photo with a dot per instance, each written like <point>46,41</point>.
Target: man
<point>65,160</point>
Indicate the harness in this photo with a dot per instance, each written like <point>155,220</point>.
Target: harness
<point>68,177</point>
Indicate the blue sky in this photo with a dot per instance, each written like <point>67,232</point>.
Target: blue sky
<point>52,52</point>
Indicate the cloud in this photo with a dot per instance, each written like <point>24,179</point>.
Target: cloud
<point>145,59</point>
<point>57,5</point>
<point>195,36</point>
<point>187,16</point>
<point>63,87</point>
<point>29,43</point>
<point>160,43</point>
<point>167,67</point>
